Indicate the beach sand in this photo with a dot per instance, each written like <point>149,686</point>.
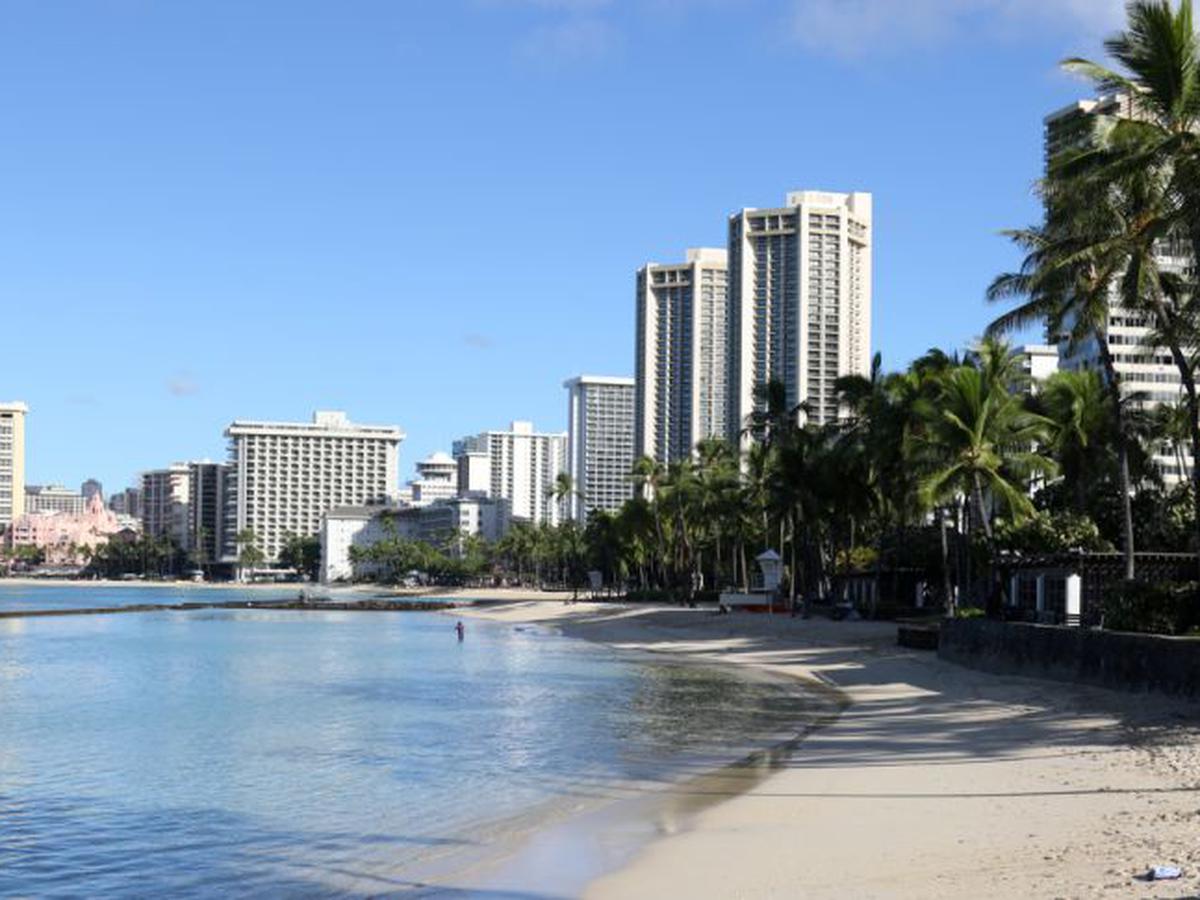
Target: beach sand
<point>934,781</point>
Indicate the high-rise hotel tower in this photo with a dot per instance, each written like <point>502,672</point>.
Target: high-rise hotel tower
<point>682,363</point>
<point>12,462</point>
<point>283,476</point>
<point>800,301</point>
<point>519,466</point>
<point>599,443</point>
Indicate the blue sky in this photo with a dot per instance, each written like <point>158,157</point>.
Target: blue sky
<point>429,212</point>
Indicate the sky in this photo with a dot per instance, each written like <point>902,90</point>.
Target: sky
<point>429,214</point>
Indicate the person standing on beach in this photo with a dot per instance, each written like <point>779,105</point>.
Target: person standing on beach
<point>459,628</point>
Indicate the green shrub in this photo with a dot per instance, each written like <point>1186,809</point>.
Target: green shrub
<point>649,596</point>
<point>1152,608</point>
<point>970,612</point>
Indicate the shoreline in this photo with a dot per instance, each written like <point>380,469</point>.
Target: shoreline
<point>931,781</point>
<point>595,828</point>
<point>934,781</point>
<point>24,581</point>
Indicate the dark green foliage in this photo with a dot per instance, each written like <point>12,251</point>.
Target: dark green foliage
<point>137,555</point>
<point>1152,608</point>
<point>1058,531</point>
<point>302,554</point>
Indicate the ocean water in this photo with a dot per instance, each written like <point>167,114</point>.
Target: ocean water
<point>59,595</point>
<point>279,753</point>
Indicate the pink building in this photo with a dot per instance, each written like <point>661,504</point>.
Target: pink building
<point>61,536</point>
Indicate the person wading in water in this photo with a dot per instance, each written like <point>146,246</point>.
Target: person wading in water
<point>460,630</point>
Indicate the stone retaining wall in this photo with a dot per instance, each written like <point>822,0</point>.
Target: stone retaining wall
<point>1117,660</point>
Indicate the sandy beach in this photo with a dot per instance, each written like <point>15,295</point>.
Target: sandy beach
<point>934,780</point>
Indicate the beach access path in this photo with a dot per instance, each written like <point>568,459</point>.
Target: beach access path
<point>934,781</point>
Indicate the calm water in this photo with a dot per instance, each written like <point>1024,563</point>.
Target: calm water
<point>252,753</point>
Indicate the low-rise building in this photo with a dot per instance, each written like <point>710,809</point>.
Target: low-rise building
<point>52,498</point>
<point>65,538</point>
<point>443,524</point>
<point>1038,361</point>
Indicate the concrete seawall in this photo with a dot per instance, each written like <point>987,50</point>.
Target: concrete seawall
<point>1116,660</point>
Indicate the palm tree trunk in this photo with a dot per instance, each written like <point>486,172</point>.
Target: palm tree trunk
<point>1114,386</point>
<point>795,570</point>
<point>980,507</point>
<point>1187,378</point>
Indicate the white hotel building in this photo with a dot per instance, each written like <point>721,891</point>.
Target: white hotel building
<point>519,466</point>
<point>284,476</point>
<point>599,443</point>
<point>682,362</point>
<point>800,301</point>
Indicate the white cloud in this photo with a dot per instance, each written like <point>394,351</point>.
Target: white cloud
<point>570,42</point>
<point>182,386</point>
<point>477,341</point>
<point>853,27</point>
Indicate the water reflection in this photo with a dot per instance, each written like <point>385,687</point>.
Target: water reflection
<point>252,753</point>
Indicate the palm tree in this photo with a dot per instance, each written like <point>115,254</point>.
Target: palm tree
<point>563,492</point>
<point>647,476</point>
<point>716,470</point>
<point>773,416</point>
<point>1171,424</point>
<point>1068,279</point>
<point>249,553</point>
<point>1080,424</point>
<point>977,444</point>
<point>1156,150</point>
<point>981,436</point>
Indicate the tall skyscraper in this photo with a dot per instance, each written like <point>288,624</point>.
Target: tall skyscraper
<point>800,301</point>
<point>206,510</point>
<point>519,466</point>
<point>283,476</point>
<point>1145,370</point>
<point>682,395</point>
<point>600,416</point>
<point>128,502</point>
<point>12,462</point>
<point>166,497</point>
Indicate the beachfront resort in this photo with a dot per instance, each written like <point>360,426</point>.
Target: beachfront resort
<point>868,566</point>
